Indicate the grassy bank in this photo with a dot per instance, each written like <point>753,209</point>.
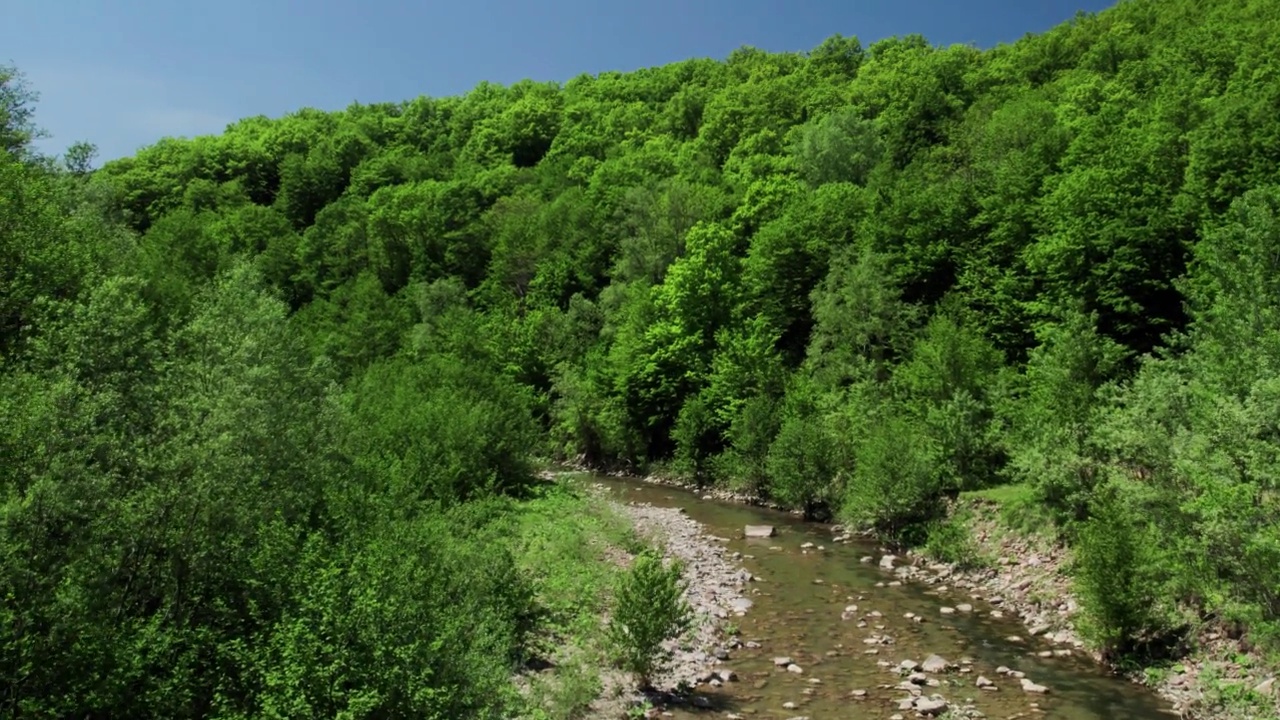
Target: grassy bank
<point>998,538</point>
<point>572,549</point>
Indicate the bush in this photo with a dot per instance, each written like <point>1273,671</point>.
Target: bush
<point>649,609</point>
<point>895,488</point>
<point>1114,578</point>
<point>949,541</point>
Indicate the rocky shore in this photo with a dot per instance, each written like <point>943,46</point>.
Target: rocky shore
<point>714,590</point>
<point>1027,579</point>
<point>1024,578</point>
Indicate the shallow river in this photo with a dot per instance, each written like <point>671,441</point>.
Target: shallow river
<point>795,615</point>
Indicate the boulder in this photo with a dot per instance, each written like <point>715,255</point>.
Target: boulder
<point>930,706</point>
<point>935,664</point>
<point>760,531</point>
<point>1028,686</point>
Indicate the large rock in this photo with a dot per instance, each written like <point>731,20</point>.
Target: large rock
<point>931,706</point>
<point>760,531</point>
<point>935,664</point>
<point>1031,687</point>
<point>887,561</point>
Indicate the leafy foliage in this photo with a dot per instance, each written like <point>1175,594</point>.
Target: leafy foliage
<point>649,609</point>
<point>257,388</point>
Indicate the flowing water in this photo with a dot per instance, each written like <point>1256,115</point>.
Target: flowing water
<point>799,599</point>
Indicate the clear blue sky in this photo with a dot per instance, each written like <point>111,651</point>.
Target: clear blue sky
<point>123,73</point>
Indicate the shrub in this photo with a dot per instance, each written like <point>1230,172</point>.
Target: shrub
<point>1113,577</point>
<point>649,609</point>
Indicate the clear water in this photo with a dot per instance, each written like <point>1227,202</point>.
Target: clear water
<point>797,617</point>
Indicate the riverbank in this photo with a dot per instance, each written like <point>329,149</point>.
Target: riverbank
<point>580,562</point>
<point>1025,576</point>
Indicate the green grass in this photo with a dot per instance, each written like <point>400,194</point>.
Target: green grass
<point>1018,506</point>
<point>568,543</point>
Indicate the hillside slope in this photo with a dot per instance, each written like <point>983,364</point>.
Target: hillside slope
<point>857,281</point>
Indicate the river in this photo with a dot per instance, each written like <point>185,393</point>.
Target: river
<point>800,596</point>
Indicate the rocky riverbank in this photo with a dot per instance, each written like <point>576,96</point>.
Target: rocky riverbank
<point>1026,577</point>
<point>715,585</point>
<point>714,591</point>
<point>1021,577</point>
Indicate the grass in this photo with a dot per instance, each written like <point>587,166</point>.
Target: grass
<point>1018,507</point>
<point>570,546</point>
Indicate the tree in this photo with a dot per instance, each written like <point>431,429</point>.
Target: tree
<point>17,111</point>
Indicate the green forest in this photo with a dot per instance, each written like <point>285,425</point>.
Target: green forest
<point>272,402</point>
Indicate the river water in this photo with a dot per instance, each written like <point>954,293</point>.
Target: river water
<point>798,602</point>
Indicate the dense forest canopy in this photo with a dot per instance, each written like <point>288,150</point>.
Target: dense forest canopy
<point>265,393</point>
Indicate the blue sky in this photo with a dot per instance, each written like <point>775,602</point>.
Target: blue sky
<point>124,73</point>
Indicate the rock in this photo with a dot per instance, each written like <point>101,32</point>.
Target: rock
<point>727,675</point>
<point>760,531</point>
<point>947,610</point>
<point>1031,687</point>
<point>917,678</point>
<point>930,706</point>
<point>1002,670</point>
<point>865,559</point>
<point>1266,687</point>
<point>858,693</point>
<point>983,682</point>
<point>720,653</point>
<point>964,607</point>
<point>887,561</point>
<point>794,668</point>
<point>935,664</point>
<point>908,666</point>
<point>1013,639</point>
<point>789,705</point>
<point>1039,629</point>
<point>806,546</point>
<point>782,661</point>
<point>815,681</point>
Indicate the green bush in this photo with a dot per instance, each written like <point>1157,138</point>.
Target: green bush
<point>895,487</point>
<point>949,541</point>
<point>1114,577</point>
<point>649,609</point>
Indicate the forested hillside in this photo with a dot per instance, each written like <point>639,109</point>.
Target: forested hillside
<point>263,392</point>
